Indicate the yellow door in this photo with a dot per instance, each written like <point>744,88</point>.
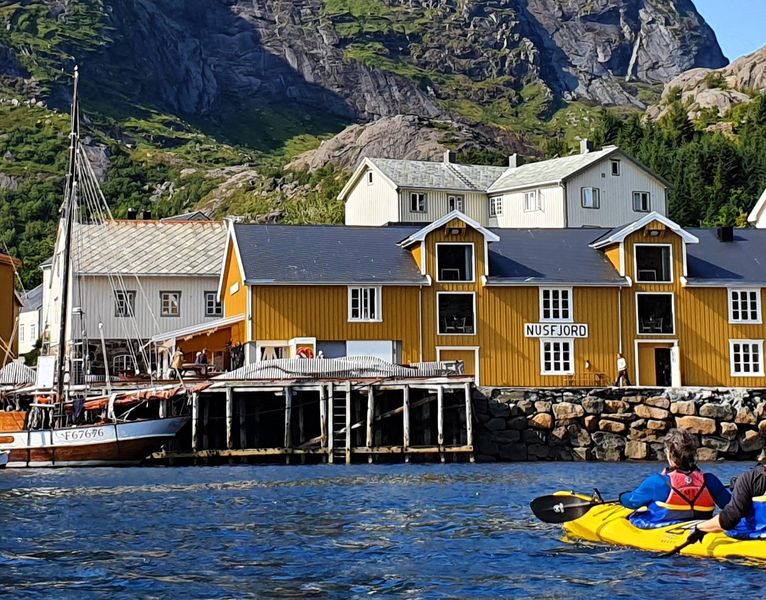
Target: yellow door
<point>654,365</point>
<point>467,356</point>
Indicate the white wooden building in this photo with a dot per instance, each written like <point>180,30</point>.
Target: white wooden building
<point>605,188</point>
<point>758,215</point>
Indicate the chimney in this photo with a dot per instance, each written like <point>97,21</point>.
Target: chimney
<point>514,160</point>
<point>585,146</point>
<point>132,214</point>
<point>146,215</point>
<point>725,234</point>
<point>449,157</point>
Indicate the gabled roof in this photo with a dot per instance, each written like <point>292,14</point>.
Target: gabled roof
<point>325,255</point>
<point>196,215</point>
<point>150,248</point>
<point>727,264</point>
<point>421,234</point>
<point>617,235</point>
<point>33,299</point>
<point>758,209</point>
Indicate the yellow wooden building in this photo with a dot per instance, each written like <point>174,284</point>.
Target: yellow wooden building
<point>10,305</point>
<point>520,307</point>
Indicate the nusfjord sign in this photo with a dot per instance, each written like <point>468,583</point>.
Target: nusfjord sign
<point>555,330</point>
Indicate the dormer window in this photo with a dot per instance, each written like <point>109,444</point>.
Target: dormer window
<point>454,262</point>
<point>417,202</point>
<point>653,263</point>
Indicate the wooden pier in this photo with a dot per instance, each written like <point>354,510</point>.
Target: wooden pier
<point>333,421</point>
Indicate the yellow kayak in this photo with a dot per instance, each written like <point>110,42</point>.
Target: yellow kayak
<point>608,523</point>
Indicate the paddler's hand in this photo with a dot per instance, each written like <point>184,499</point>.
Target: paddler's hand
<point>696,536</point>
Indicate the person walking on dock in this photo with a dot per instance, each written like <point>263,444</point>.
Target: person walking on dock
<point>177,363</point>
<point>623,379</point>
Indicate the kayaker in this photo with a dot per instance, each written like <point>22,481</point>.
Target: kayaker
<point>681,492</point>
<point>745,516</point>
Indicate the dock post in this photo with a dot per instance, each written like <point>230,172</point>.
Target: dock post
<point>195,421</point>
<point>229,418</point>
<point>468,420</point>
<point>322,417</point>
<point>348,424</point>
<point>330,423</point>
<point>242,423</point>
<point>205,412</point>
<point>301,435</point>
<point>370,415</point>
<point>440,421</point>
<point>288,415</point>
<point>406,423</point>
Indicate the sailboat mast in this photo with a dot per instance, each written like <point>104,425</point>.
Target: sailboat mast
<point>69,213</point>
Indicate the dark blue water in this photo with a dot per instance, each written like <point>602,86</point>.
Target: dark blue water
<point>454,531</point>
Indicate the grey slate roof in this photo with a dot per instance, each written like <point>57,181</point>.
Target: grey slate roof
<point>33,299</point>
<point>150,248</point>
<point>196,215</point>
<point>555,169</point>
<point>714,262</point>
<point>549,256</point>
<point>325,254</point>
<point>440,175</point>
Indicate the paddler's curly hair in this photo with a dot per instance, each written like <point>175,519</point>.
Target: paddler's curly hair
<point>682,446</point>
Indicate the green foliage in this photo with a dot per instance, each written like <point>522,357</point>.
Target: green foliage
<point>715,80</point>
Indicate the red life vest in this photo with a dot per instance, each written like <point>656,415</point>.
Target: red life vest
<point>688,494</point>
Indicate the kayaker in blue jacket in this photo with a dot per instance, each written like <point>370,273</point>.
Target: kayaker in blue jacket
<point>681,492</point>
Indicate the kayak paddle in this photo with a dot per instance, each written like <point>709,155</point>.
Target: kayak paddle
<point>694,537</point>
<point>560,508</point>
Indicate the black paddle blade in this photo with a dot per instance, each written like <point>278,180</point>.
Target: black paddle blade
<point>560,508</point>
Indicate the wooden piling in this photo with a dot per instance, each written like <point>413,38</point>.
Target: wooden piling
<point>205,413</point>
<point>322,416</point>
<point>195,421</point>
<point>440,421</point>
<point>348,424</point>
<point>370,416</point>
<point>229,418</point>
<point>242,423</point>
<point>406,422</point>
<point>288,417</point>
<point>301,434</point>
<point>468,420</point>
<point>330,422</point>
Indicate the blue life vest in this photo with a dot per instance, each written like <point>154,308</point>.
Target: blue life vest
<point>688,499</point>
<point>753,526</point>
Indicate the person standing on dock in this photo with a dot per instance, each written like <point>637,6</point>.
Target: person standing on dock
<point>622,372</point>
<point>177,363</point>
<point>681,492</point>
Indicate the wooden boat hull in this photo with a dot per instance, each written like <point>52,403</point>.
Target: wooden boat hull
<point>89,445</point>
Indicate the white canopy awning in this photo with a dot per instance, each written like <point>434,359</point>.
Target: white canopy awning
<point>193,330</point>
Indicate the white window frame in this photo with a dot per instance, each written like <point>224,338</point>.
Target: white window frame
<point>473,263</point>
<point>422,202</point>
<point>570,298</point>
<point>752,343</point>
<point>365,290</point>
<point>616,162</point>
<point>475,316</point>
<point>126,361</point>
<point>536,201</point>
<point>167,313</point>
<point>495,206</point>
<point>759,319</point>
<point>32,333</point>
<point>21,333</point>
<point>638,194</point>
<point>219,312</point>
<point>595,195</point>
<point>672,309</point>
<point>635,263</point>
<point>369,177</point>
<point>544,342</point>
<point>457,201</point>
<point>128,300</point>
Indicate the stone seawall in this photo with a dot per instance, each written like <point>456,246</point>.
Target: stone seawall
<point>616,423</point>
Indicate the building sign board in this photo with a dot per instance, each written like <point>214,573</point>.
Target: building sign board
<point>555,330</point>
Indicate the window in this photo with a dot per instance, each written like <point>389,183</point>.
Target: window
<point>655,313</point>
<point>495,206</point>
<point>170,304</point>
<point>122,363</point>
<point>615,168</point>
<point>456,313</point>
<point>364,304</point>
<point>417,202</point>
<point>555,304</point>
<point>744,306</point>
<point>455,203</point>
<point>369,177</point>
<point>124,304</point>
<point>454,262</point>
<point>590,197</point>
<point>32,333</point>
<point>213,308</point>
<point>531,201</point>
<point>556,357</point>
<point>642,201</point>
<point>653,263</point>
<point>21,333</point>
<point>746,357</point>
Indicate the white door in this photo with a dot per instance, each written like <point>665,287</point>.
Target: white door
<point>675,367</point>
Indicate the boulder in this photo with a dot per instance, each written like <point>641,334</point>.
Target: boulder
<point>721,444</point>
<point>543,406</point>
<point>722,412</point>
<point>507,437</point>
<point>514,452</point>
<point>611,426</point>
<point>591,423</point>
<point>638,424</point>
<point>634,399</point>
<point>526,407</point>
<point>593,405</point>
<point>653,425</point>
<point>533,436</point>
<point>578,436</point>
<point>745,416</point>
<point>658,402</point>
<point>762,427</point>
<point>497,409</point>
<point>683,407</point>
<point>608,440</point>
<point>567,410</point>
<point>650,412</point>
<point>729,430</point>
<point>559,433</point>
<point>636,450</point>
<point>608,454</point>
<point>750,441</point>
<point>701,425</point>
<point>541,420</point>
<point>616,406</point>
<point>707,454</point>
<point>517,423</point>
<point>582,453</point>
<point>496,424</point>
<point>537,451</point>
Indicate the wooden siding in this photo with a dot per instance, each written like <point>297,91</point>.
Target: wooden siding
<point>614,256</point>
<point>234,304</point>
<point>371,204</point>
<point>616,202</point>
<point>8,310</point>
<point>437,205</point>
<point>550,215</point>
